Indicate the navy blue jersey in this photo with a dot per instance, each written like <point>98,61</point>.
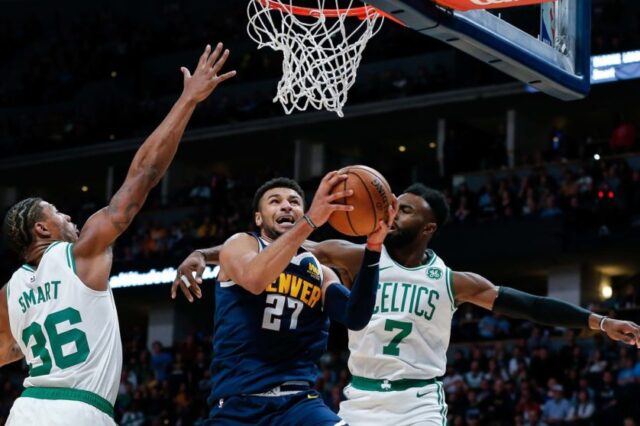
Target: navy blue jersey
<point>262,341</point>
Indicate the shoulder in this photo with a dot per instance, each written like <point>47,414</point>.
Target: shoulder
<point>241,239</point>
<point>238,245</point>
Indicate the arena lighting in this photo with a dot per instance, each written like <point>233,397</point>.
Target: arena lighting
<point>152,277</point>
<point>612,67</point>
<point>615,66</point>
<point>607,291</point>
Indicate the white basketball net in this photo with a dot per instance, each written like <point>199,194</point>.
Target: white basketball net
<point>321,54</point>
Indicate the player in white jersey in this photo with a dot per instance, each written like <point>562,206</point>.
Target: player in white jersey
<point>396,360</point>
<point>57,310</point>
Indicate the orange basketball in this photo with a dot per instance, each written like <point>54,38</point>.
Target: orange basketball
<point>370,200</point>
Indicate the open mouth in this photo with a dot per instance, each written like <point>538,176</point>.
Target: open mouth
<point>285,220</point>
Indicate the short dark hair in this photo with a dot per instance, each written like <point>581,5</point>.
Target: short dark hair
<point>436,200</point>
<point>280,182</point>
<point>17,228</point>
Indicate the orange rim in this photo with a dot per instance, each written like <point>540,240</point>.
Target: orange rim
<point>361,13</point>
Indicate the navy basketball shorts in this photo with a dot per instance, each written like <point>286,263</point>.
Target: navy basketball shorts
<point>303,408</point>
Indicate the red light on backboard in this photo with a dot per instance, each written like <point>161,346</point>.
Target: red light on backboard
<point>464,5</point>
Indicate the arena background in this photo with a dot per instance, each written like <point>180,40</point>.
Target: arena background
<point>544,194</point>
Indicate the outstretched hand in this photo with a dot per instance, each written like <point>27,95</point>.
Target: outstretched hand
<point>623,331</point>
<point>376,238</point>
<point>205,79</point>
<point>185,280</point>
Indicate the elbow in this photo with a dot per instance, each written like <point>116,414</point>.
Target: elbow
<point>357,325</point>
<point>255,290</point>
<point>357,322</point>
<point>254,285</point>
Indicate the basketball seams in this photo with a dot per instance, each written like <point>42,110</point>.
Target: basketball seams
<point>370,208</point>
<point>381,178</point>
<point>373,204</point>
<point>344,201</point>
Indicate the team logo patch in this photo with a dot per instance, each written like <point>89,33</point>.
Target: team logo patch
<point>313,271</point>
<point>434,273</point>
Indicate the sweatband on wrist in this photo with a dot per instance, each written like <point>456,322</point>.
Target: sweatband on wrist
<point>541,310</point>
<point>354,308</point>
<point>310,222</point>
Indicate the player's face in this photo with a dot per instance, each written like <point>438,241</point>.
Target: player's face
<point>280,209</point>
<point>56,225</point>
<point>413,221</point>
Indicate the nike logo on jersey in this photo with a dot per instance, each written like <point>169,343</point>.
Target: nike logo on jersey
<point>421,394</point>
<point>312,396</point>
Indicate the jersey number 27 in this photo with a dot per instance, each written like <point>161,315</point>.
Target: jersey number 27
<point>272,318</point>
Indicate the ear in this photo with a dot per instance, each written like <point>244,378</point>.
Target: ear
<point>430,228</point>
<point>42,230</point>
<point>258,219</point>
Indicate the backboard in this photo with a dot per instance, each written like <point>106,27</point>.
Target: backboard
<point>556,60</point>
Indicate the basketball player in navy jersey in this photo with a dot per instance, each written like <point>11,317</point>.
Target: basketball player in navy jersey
<point>273,305</point>
<point>395,363</point>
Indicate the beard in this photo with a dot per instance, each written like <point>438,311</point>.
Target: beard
<point>271,233</point>
<point>399,238</point>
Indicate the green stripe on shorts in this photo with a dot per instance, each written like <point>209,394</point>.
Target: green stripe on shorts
<point>68,394</point>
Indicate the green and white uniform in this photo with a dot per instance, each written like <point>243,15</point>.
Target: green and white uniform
<point>70,337</point>
<point>395,360</point>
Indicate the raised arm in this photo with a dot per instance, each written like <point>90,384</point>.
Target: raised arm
<point>255,271</point>
<point>354,308</point>
<point>9,349</point>
<point>339,254</point>
<point>473,288</point>
<point>147,168</point>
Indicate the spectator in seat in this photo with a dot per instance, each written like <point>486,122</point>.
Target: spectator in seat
<point>556,410</point>
<point>581,412</point>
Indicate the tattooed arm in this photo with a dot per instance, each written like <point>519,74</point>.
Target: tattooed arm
<point>9,349</point>
<point>92,251</point>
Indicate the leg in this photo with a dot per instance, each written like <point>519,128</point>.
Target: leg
<point>308,409</point>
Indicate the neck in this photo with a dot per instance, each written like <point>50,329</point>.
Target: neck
<point>410,255</point>
<point>35,252</point>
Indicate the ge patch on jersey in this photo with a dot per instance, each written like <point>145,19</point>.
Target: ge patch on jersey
<point>434,273</point>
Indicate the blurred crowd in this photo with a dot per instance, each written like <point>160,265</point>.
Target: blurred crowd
<point>111,70</point>
<point>544,377</point>
<point>592,198</point>
<point>599,194</point>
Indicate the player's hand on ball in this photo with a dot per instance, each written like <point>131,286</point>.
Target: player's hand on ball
<point>376,238</point>
<point>185,279</point>
<point>205,79</point>
<point>324,202</point>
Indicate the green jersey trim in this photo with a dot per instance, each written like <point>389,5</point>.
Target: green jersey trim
<point>69,394</point>
<point>27,268</point>
<point>442,404</point>
<point>71,261</point>
<point>52,245</point>
<point>450,290</point>
<point>377,385</point>
<point>432,260</point>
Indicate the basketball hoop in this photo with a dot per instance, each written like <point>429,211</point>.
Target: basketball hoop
<point>322,48</point>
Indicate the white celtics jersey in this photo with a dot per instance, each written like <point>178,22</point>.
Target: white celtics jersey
<point>408,335</point>
<point>68,332</point>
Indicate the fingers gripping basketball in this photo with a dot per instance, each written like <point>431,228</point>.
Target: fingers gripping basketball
<point>371,199</point>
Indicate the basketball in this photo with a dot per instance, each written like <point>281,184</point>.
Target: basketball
<point>370,200</point>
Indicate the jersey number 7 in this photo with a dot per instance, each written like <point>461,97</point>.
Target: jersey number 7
<point>393,348</point>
